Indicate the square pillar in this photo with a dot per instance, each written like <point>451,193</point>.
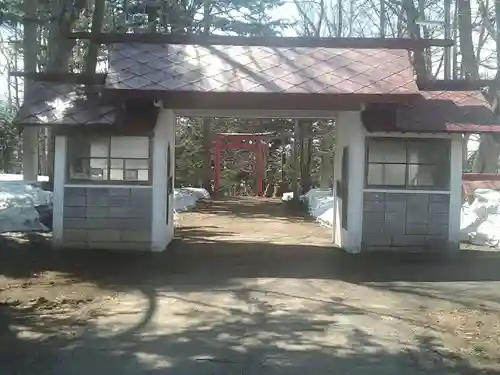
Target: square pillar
<point>350,139</point>
<point>162,229</point>
<point>455,213</point>
<point>171,177</point>
<point>58,194</point>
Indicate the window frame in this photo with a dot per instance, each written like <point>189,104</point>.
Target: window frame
<point>406,164</point>
<point>108,158</point>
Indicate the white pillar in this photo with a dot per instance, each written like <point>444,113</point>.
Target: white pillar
<point>58,196</point>
<point>341,140</point>
<point>161,235</point>
<point>455,190</point>
<point>351,134</point>
<point>170,212</point>
<point>30,154</point>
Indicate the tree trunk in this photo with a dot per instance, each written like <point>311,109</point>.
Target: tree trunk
<point>447,35</point>
<point>306,157</point>
<point>59,51</point>
<point>383,17</point>
<point>152,13</point>
<point>297,137</point>
<point>60,47</point>
<point>93,51</point>
<point>414,33</point>
<point>486,159</point>
<point>454,72</point>
<point>466,44</point>
<point>326,166</point>
<point>30,47</point>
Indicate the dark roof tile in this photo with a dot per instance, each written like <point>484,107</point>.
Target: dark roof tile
<point>63,104</point>
<point>259,69</point>
<point>449,111</point>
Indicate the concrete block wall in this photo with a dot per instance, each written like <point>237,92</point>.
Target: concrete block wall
<point>405,221</point>
<point>117,218</point>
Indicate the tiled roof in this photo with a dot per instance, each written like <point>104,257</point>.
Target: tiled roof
<point>449,111</point>
<point>64,104</point>
<point>435,112</point>
<point>254,69</point>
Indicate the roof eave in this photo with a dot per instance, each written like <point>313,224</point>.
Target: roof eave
<point>262,100</point>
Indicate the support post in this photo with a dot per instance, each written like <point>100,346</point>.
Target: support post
<point>350,138</point>
<point>164,129</point>
<point>58,196</point>
<point>456,168</point>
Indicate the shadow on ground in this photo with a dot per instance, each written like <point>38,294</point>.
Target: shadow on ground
<point>258,207</point>
<point>193,251</point>
<point>229,342</point>
<point>467,278</point>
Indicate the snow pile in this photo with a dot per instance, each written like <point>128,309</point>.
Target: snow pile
<point>320,204</point>
<point>186,198</point>
<point>480,221</point>
<point>19,177</point>
<point>17,205</point>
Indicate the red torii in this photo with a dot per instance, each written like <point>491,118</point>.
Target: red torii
<point>257,142</point>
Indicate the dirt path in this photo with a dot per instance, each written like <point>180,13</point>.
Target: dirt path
<point>252,288</point>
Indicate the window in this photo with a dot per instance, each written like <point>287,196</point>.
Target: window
<point>124,159</point>
<point>408,163</point>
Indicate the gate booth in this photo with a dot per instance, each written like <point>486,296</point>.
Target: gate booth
<point>113,180</point>
<point>250,141</point>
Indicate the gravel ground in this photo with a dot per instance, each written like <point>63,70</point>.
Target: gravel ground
<point>249,287</point>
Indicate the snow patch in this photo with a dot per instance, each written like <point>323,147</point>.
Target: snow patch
<point>186,198</point>
<point>19,177</point>
<point>17,205</point>
<point>320,204</point>
<point>480,221</point>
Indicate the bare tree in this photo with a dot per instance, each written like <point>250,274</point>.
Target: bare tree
<point>30,50</point>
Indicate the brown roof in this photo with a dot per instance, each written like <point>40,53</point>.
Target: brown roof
<point>64,104</point>
<point>254,69</point>
<point>449,111</point>
<point>435,112</point>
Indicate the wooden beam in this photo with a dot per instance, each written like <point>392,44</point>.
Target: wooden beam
<point>454,85</point>
<point>75,78</point>
<point>389,43</point>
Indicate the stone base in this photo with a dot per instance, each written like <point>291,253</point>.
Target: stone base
<point>115,246</point>
<point>438,248</point>
<point>108,218</point>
